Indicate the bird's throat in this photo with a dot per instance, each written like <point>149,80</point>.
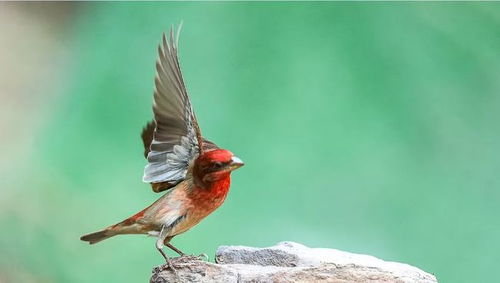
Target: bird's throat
<point>212,194</point>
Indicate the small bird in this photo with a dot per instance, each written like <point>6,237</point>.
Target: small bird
<point>193,171</point>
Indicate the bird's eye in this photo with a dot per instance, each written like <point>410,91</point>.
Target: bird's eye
<point>217,165</point>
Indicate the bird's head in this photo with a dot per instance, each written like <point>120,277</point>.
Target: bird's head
<point>214,165</point>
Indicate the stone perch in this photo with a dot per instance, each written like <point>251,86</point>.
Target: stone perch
<point>289,262</point>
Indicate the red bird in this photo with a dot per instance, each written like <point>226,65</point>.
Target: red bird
<point>194,172</point>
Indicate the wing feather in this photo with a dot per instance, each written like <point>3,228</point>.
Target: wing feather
<point>176,137</point>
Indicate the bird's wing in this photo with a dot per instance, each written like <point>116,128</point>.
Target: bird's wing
<point>176,136</point>
<point>147,138</point>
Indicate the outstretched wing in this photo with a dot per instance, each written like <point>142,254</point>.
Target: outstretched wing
<point>176,136</point>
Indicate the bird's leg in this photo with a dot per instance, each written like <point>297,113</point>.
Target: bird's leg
<point>167,243</point>
<point>159,247</point>
<point>175,249</point>
<point>202,257</point>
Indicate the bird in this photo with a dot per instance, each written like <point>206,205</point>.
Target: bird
<point>194,173</point>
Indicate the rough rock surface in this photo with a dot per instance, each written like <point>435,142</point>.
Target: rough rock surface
<point>288,262</point>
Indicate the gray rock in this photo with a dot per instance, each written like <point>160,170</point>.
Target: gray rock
<point>288,262</point>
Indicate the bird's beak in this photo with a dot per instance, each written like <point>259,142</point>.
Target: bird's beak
<point>235,163</point>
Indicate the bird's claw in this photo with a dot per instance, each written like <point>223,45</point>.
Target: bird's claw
<point>203,257</point>
<point>169,265</point>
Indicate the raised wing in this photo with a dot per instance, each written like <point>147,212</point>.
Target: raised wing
<point>176,136</point>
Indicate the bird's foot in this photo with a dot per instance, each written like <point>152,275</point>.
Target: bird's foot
<point>169,265</point>
<point>202,257</point>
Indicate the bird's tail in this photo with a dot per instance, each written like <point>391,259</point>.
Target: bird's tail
<point>98,236</point>
<point>127,226</point>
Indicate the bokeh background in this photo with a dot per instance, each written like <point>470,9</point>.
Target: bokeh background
<point>366,127</point>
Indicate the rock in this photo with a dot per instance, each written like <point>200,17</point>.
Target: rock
<point>288,262</point>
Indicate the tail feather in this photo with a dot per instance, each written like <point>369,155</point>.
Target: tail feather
<point>96,237</point>
<point>127,226</point>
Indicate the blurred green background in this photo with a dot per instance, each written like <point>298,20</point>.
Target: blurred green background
<point>366,127</point>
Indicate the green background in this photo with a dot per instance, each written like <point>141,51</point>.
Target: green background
<point>366,127</point>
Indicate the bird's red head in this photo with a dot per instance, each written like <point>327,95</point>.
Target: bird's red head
<point>214,165</point>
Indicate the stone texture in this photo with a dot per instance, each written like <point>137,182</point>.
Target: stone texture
<point>288,262</point>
